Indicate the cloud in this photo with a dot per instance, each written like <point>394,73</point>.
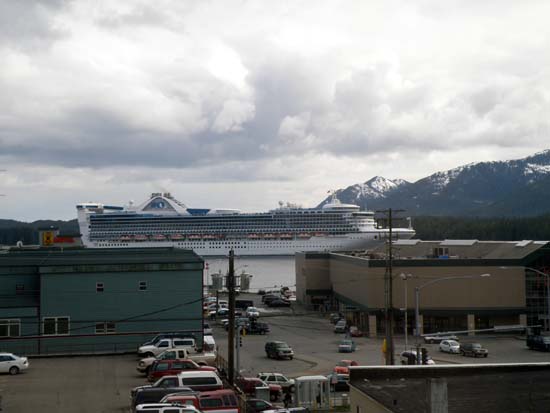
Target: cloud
<point>266,91</point>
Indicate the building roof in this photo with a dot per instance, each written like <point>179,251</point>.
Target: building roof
<point>82,256</point>
<point>505,388</point>
<point>465,249</point>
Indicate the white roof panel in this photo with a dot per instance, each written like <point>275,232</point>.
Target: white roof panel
<point>458,242</point>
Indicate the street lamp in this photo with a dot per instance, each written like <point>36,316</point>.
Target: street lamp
<point>417,300</point>
<point>405,277</point>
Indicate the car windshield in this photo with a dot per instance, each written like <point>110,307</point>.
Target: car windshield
<point>345,342</point>
<point>453,343</point>
<point>282,345</point>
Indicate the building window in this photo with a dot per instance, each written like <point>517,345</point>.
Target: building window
<point>105,327</point>
<point>10,328</point>
<point>142,285</point>
<point>56,326</point>
<point>19,289</point>
<point>99,287</point>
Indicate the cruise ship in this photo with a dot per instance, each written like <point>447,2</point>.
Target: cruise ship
<point>163,221</point>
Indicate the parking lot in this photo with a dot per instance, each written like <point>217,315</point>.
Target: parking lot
<point>103,383</point>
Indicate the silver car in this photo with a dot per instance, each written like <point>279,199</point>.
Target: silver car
<point>449,346</point>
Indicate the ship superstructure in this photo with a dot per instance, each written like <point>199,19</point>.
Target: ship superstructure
<point>163,221</point>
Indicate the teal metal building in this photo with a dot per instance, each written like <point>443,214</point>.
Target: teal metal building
<point>77,301</point>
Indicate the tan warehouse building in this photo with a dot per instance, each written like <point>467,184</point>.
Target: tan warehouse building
<point>503,289</point>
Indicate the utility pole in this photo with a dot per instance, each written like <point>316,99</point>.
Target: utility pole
<point>388,291</point>
<point>231,323</point>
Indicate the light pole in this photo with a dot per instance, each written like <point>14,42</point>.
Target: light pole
<point>405,277</point>
<point>417,301</point>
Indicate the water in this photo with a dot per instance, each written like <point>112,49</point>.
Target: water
<point>267,272</point>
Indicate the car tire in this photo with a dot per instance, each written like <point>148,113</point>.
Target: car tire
<point>485,355</point>
<point>268,355</point>
<point>147,369</point>
<point>149,354</point>
<point>14,370</point>
<point>291,357</point>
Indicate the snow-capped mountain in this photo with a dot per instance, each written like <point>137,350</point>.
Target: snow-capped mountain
<point>518,187</point>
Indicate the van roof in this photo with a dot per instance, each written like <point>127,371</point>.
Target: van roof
<point>197,373</point>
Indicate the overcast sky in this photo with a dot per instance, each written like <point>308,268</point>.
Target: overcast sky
<point>244,103</point>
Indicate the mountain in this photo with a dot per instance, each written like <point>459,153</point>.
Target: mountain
<point>519,187</point>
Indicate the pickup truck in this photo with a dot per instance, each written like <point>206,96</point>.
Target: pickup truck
<point>154,350</point>
<point>202,359</point>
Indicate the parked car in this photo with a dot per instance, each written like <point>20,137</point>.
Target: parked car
<point>289,410</point>
<point>244,304</point>
<point>12,364</point>
<point>335,317</point>
<point>248,386</point>
<point>161,368</point>
<point>473,349</point>
<point>194,380</point>
<point>536,342</point>
<point>279,302</point>
<point>166,408</point>
<point>150,394</point>
<point>338,382</point>
<point>202,359</point>
<point>355,332</point>
<point>257,405</point>
<point>436,339</point>
<point>207,330</point>
<point>155,349</point>
<point>340,326</point>
<point>160,336</point>
<point>449,346</point>
<point>409,357</point>
<point>268,297</point>
<point>346,346</point>
<point>185,399</point>
<point>218,401</point>
<point>252,312</point>
<point>257,328</point>
<point>278,350</point>
<point>342,367</point>
<point>277,378</point>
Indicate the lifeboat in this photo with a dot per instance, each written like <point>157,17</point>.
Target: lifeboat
<point>176,237</point>
<point>285,236</point>
<point>320,234</point>
<point>159,237</point>
<point>269,236</point>
<point>126,238</point>
<point>195,236</point>
<point>141,237</point>
<point>304,235</point>
<point>209,237</point>
<point>253,236</point>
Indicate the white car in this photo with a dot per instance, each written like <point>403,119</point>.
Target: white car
<point>252,312</point>
<point>449,346</point>
<point>10,363</point>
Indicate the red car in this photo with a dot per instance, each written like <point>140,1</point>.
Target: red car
<point>248,386</point>
<point>343,366</point>
<point>161,368</point>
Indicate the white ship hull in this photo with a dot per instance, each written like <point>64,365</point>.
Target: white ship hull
<point>248,247</point>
